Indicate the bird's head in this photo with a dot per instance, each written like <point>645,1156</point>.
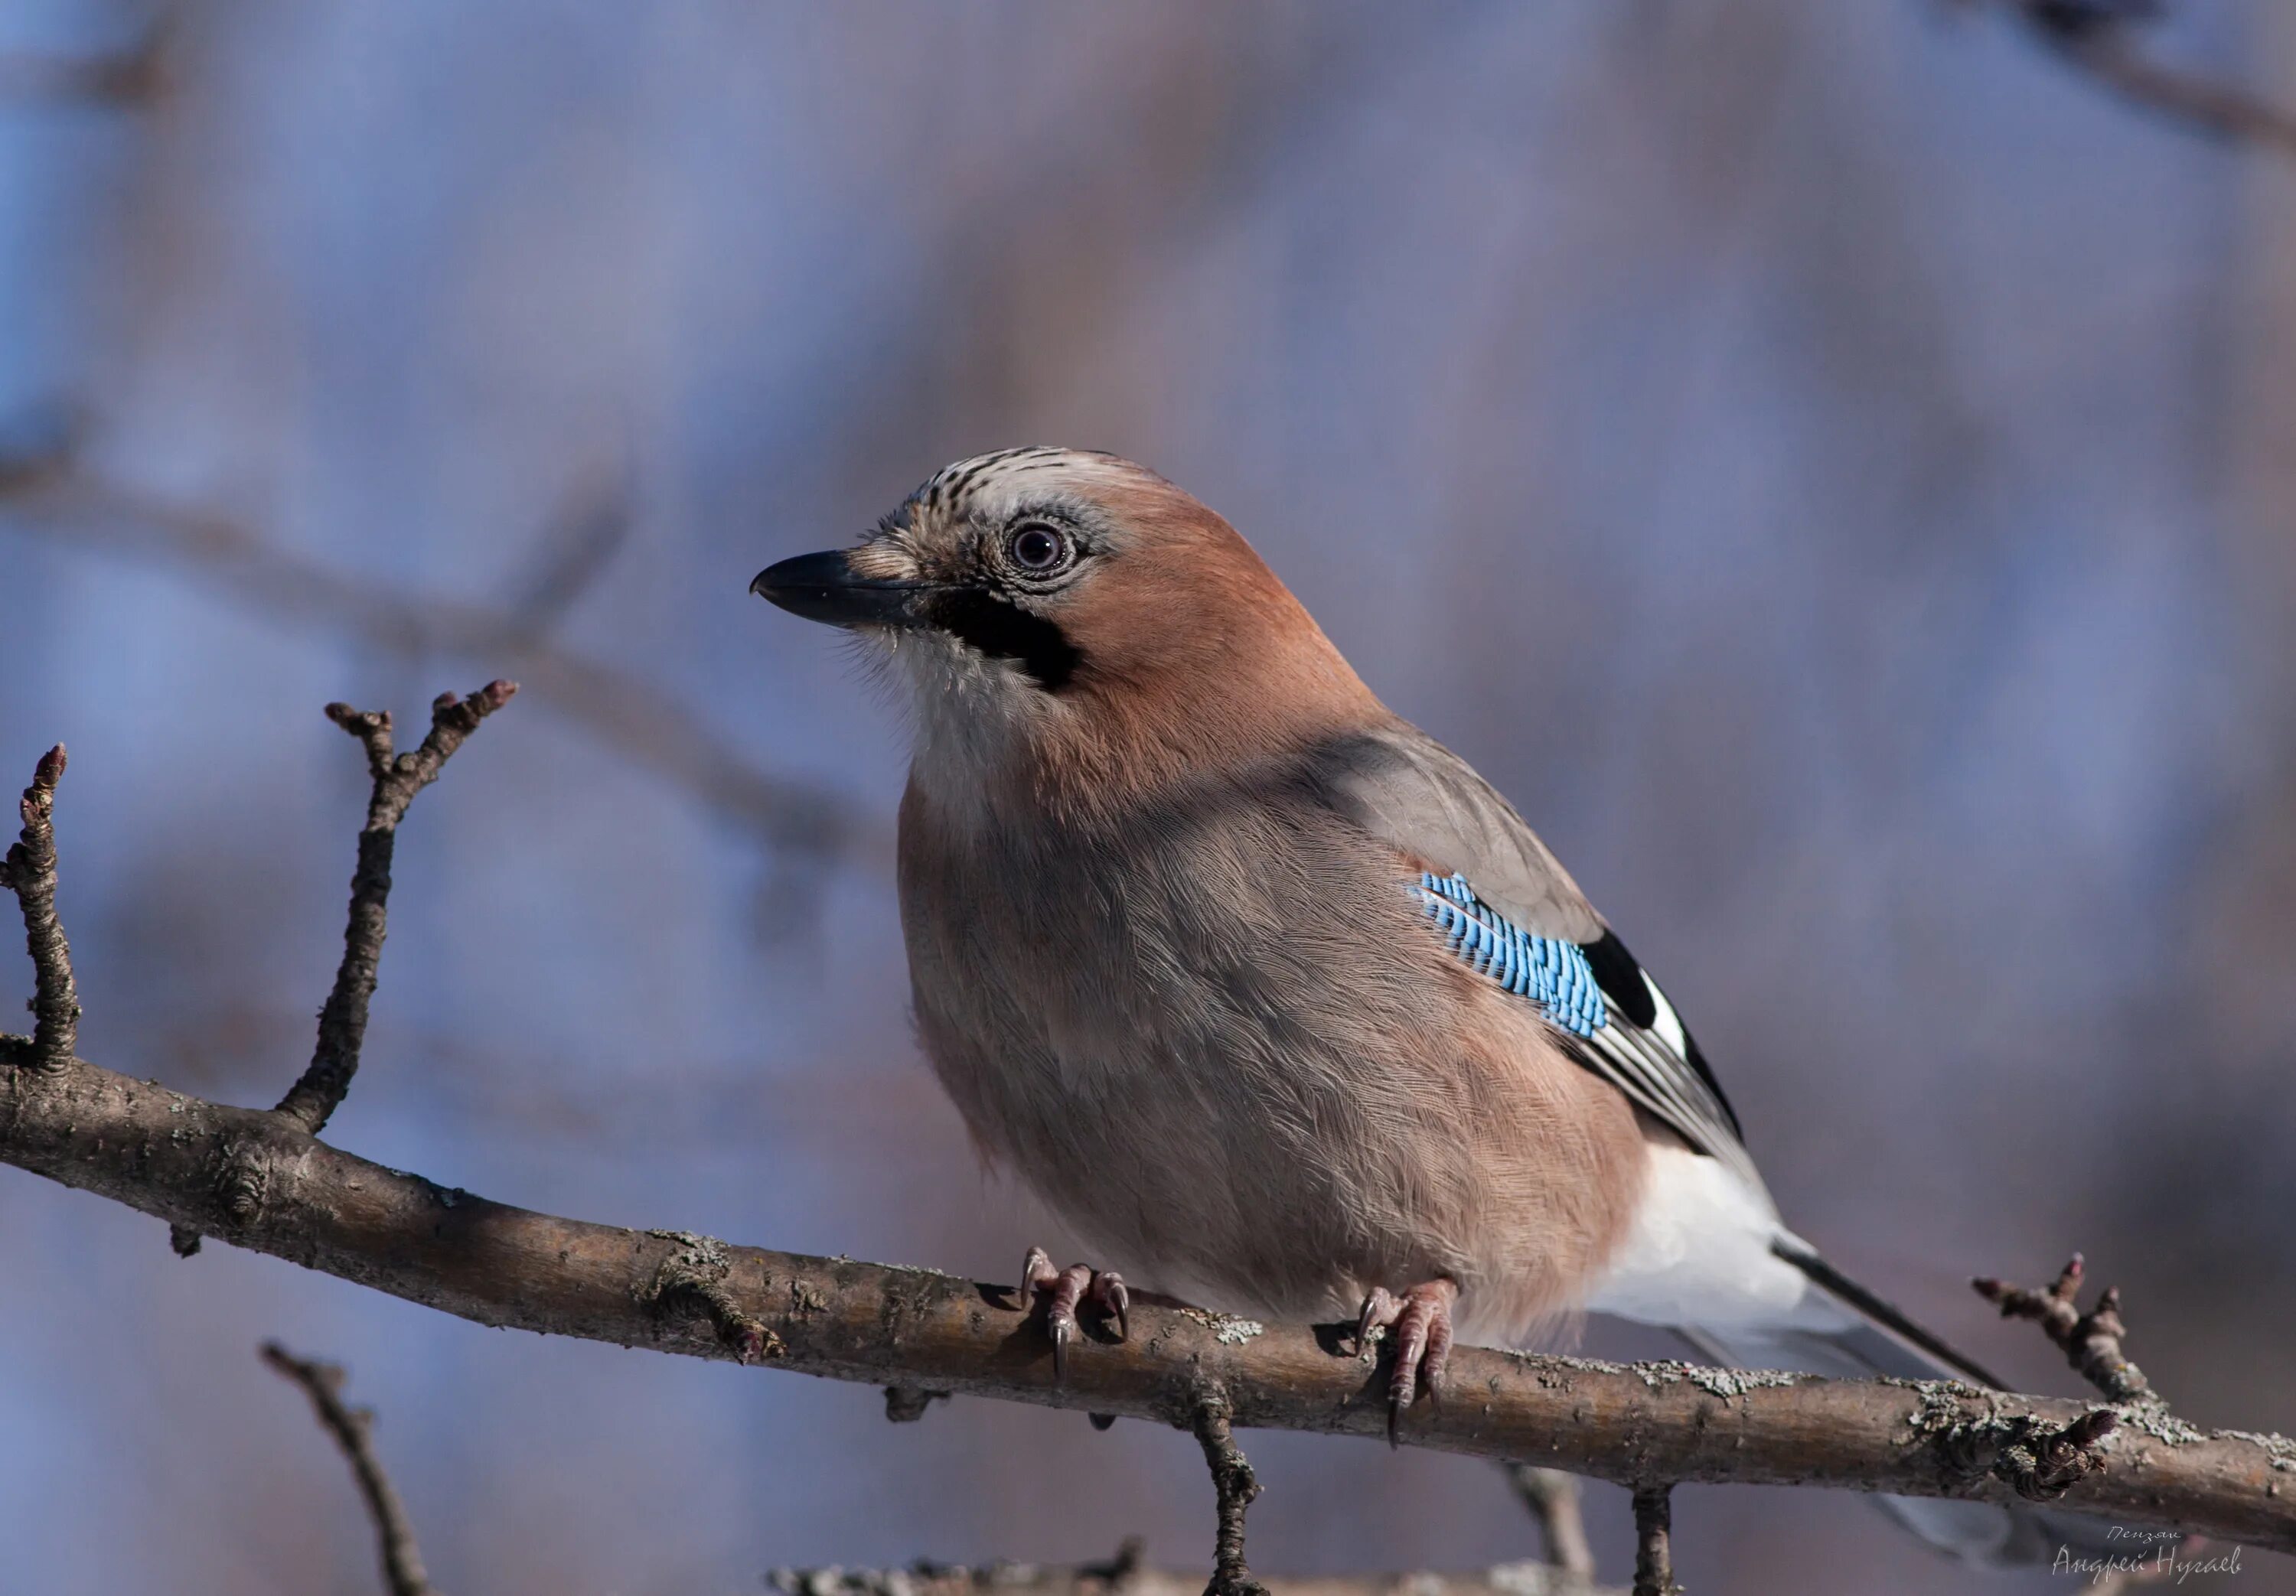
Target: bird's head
<point>1078,618</point>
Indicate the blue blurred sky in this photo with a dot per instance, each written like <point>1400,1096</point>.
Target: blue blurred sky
<point>1823,461</point>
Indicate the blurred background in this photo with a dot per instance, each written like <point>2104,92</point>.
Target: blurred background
<point>1834,466</point>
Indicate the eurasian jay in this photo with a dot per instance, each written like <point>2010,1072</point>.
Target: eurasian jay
<point>1266,992</point>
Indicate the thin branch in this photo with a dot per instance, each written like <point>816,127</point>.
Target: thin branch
<point>1552,1495</point>
<point>2210,108</point>
<point>580,539</point>
<point>133,77</point>
<point>342,1022</point>
<point>2094,37</point>
<point>657,732</point>
<point>1236,1486</point>
<point>244,1176</point>
<point>29,871</point>
<point>323,1383</point>
<point>1129,1574</point>
<point>1653,1542</point>
<point>2090,1341</point>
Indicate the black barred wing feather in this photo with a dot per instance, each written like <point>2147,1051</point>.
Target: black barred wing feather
<point>1553,973</point>
<point>1622,1028</point>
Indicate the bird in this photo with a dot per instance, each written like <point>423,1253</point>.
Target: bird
<point>1272,998</point>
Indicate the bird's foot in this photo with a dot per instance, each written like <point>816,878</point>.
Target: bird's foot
<point>1419,1324</point>
<point>1063,1291</point>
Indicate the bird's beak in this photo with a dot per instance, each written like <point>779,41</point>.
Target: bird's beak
<point>825,587</point>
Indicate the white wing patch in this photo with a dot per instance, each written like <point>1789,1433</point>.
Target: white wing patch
<point>1668,1024</point>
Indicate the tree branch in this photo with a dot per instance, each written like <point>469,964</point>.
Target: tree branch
<point>133,77</point>
<point>1552,1495</point>
<point>1235,1488</point>
<point>1653,1542</point>
<point>655,731</point>
<point>29,871</point>
<point>2091,1341</point>
<point>244,1176</point>
<point>2094,37</point>
<point>323,1383</point>
<point>342,1022</point>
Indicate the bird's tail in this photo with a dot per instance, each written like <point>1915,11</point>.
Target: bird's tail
<point>1873,1338</point>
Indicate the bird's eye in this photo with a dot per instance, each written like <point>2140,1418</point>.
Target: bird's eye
<point>1037,547</point>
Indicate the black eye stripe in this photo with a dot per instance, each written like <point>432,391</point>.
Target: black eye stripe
<point>1004,631</point>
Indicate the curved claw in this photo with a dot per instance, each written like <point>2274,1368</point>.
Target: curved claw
<point>1379,1311</point>
<point>1111,1296</point>
<point>1421,1325</point>
<point>1065,1291</point>
<point>1060,1314</point>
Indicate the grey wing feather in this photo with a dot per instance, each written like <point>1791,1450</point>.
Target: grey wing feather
<point>1404,787</point>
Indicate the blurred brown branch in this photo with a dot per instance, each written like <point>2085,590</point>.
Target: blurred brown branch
<point>1552,1495</point>
<point>2095,36</point>
<point>323,1383</point>
<point>261,1181</point>
<point>131,77</point>
<point>56,496</point>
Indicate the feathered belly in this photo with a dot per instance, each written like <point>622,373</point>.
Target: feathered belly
<point>1271,1113</point>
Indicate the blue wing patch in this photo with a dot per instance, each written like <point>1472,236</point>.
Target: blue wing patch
<point>1553,973</point>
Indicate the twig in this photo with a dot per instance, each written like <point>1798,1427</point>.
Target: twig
<point>1236,1489</point>
<point>2211,108</point>
<point>29,871</point>
<point>342,1022</point>
<point>580,540</point>
<point>1653,1537</point>
<point>2053,1461</point>
<point>133,77</point>
<point>323,1383</point>
<point>1552,1495</point>
<point>2090,1341</point>
<point>2093,36</point>
<point>654,730</point>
